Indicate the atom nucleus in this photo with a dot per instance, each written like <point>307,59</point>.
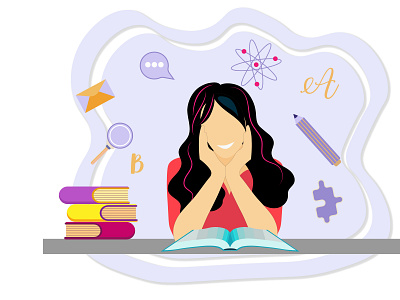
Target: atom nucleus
<point>256,64</point>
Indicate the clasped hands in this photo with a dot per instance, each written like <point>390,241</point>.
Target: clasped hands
<point>232,169</point>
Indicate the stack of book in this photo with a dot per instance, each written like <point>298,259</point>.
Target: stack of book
<point>98,212</point>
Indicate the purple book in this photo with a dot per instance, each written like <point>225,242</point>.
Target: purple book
<point>94,195</point>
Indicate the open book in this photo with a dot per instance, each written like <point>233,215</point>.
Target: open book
<point>234,240</point>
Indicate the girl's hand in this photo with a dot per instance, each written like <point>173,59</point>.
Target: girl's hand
<point>208,156</point>
<point>241,157</point>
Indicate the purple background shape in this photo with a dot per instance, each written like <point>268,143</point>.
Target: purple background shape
<point>352,100</point>
<point>156,110</point>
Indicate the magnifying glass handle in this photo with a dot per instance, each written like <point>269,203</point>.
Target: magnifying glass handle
<point>100,155</point>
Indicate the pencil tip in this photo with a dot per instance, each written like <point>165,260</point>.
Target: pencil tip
<point>295,116</point>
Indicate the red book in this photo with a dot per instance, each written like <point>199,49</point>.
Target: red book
<point>99,230</point>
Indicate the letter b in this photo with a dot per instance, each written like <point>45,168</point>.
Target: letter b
<point>136,159</point>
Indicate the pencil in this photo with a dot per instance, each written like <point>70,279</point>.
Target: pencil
<point>317,140</point>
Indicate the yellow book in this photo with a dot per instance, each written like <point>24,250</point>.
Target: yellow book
<point>101,213</point>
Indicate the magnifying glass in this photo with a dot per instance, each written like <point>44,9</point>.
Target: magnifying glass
<point>119,136</point>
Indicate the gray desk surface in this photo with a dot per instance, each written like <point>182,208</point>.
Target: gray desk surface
<point>155,246</point>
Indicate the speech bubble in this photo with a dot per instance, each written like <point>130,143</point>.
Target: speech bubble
<point>154,65</point>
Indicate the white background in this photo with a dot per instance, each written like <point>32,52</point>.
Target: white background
<point>44,139</point>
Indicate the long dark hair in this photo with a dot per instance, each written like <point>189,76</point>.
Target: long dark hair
<point>271,181</point>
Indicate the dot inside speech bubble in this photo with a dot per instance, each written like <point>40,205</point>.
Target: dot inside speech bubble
<point>154,65</point>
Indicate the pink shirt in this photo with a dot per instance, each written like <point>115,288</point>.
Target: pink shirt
<point>228,215</point>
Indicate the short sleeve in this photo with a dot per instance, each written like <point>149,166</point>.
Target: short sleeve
<point>277,215</point>
<point>174,207</point>
<point>276,212</point>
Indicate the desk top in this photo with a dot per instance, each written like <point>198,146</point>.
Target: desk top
<point>155,246</point>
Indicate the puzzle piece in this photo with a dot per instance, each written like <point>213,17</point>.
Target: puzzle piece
<point>329,209</point>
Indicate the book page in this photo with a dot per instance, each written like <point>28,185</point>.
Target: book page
<point>209,237</point>
<point>250,237</point>
<point>247,232</point>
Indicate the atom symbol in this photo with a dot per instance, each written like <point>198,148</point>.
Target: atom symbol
<point>254,66</point>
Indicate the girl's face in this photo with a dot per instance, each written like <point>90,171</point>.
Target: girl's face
<point>224,132</point>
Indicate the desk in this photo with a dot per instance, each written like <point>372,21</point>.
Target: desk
<point>155,246</point>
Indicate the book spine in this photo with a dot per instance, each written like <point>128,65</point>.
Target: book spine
<point>85,213</point>
<point>116,230</point>
<point>77,195</point>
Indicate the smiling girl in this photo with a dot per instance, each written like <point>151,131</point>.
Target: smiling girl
<point>225,176</point>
